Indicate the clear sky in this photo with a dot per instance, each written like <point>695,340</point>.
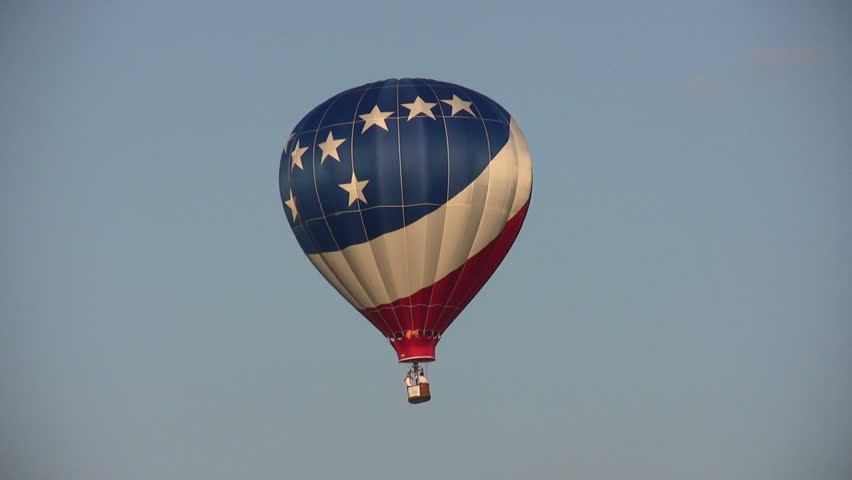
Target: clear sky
<point>676,307</point>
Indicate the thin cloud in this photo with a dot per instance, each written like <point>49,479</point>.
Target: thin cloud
<point>760,59</point>
<point>703,87</point>
<point>785,58</point>
<point>703,84</point>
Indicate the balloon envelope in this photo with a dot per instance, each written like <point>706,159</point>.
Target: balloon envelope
<point>406,195</point>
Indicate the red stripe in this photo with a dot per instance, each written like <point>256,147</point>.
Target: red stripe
<point>451,293</point>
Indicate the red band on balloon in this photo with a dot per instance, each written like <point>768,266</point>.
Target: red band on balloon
<point>431,310</point>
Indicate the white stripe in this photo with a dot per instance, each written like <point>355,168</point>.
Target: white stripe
<point>499,192</point>
<point>522,193</point>
<point>330,265</point>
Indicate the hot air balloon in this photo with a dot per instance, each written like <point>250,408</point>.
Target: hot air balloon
<point>406,194</point>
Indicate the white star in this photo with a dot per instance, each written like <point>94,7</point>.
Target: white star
<point>355,188</point>
<point>291,204</point>
<point>329,147</point>
<point>375,117</point>
<point>458,105</point>
<point>418,106</point>
<point>296,155</point>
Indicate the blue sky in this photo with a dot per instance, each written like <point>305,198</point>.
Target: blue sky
<point>677,305</point>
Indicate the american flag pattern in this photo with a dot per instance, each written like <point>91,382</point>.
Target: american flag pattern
<point>406,195</point>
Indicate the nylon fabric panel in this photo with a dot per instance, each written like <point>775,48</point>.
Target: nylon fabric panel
<point>389,254</point>
<point>524,188</point>
<point>338,266</point>
<point>423,153</point>
<point>346,277</point>
<point>458,237</point>
<point>476,272</point>
<point>324,270</point>
<point>364,265</point>
<point>424,173</point>
<point>464,212</point>
<point>482,266</point>
<point>308,202</point>
<point>502,192</point>
<point>499,196</point>
<point>301,178</point>
<point>435,225</point>
<point>434,244</point>
<point>351,228</point>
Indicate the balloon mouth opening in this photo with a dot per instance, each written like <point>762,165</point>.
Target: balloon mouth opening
<point>415,345</point>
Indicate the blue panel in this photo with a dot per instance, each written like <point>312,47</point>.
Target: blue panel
<point>468,151</point>
<point>284,181</point>
<point>321,239</point>
<point>347,229</point>
<point>380,220</point>
<point>302,181</point>
<point>343,109</point>
<point>424,161</point>
<point>408,93</point>
<point>377,160</point>
<point>330,173</point>
<point>381,83</point>
<point>424,151</point>
<point>446,92</point>
<point>312,119</point>
<point>498,135</point>
<point>485,107</point>
<point>384,98</point>
<point>417,82</point>
<point>304,238</point>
